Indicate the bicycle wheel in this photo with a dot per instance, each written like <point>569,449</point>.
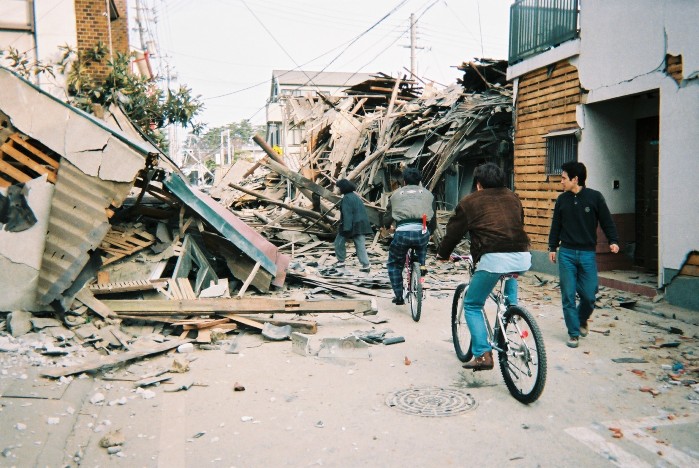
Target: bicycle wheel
<point>523,359</point>
<point>460,334</point>
<point>415,291</point>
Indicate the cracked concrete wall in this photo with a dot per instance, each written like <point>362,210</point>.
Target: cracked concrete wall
<point>73,134</point>
<point>624,43</point>
<point>21,252</point>
<point>623,49</point>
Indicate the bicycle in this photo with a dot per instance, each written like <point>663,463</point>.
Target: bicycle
<point>413,284</point>
<point>516,337</point>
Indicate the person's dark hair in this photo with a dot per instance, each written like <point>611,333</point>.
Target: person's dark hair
<point>575,169</point>
<point>412,176</point>
<point>489,175</point>
<point>346,186</point>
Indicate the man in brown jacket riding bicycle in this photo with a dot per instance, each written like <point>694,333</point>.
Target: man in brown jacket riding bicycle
<point>494,217</point>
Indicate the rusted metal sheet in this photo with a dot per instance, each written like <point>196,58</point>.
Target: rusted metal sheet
<point>245,238</point>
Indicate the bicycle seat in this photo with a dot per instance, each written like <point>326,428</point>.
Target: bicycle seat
<point>514,275</point>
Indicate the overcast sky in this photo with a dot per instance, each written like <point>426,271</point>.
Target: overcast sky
<point>225,50</point>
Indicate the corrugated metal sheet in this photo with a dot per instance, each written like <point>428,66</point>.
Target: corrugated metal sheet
<point>77,224</point>
<point>245,238</point>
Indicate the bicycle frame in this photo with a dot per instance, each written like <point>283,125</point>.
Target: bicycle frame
<point>498,297</point>
<point>493,332</point>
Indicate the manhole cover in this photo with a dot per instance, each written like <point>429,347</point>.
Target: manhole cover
<point>431,401</point>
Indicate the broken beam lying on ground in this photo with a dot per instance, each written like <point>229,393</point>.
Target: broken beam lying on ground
<point>304,326</point>
<point>107,361</point>
<point>242,305</point>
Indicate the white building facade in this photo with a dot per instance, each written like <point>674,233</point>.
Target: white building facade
<point>635,115</point>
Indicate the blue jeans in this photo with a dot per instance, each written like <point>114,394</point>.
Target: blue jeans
<point>359,247</point>
<point>577,270</point>
<point>482,283</point>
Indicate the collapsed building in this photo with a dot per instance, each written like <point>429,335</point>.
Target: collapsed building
<point>382,126</point>
<point>96,220</point>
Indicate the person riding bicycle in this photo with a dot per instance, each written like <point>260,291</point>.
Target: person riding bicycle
<point>408,206</point>
<point>494,217</point>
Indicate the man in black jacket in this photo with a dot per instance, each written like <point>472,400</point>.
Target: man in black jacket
<point>574,233</point>
<point>354,224</point>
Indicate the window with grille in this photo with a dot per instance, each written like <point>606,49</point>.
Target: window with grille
<point>560,148</point>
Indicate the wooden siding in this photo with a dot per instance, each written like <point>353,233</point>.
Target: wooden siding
<point>546,102</point>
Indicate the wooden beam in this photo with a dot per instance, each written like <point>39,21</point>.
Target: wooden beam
<point>158,307</point>
<point>268,149</point>
<point>100,308</point>
<point>301,211</point>
<point>249,279</point>
<point>35,151</point>
<point>302,182</point>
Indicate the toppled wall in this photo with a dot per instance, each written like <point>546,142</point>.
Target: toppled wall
<point>77,171</point>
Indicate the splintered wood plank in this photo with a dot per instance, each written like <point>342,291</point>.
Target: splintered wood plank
<point>111,360</point>
<point>186,288</point>
<point>124,286</point>
<point>202,324</point>
<point>29,162</point>
<point>308,247</point>
<point>203,336</point>
<point>173,289</point>
<point>100,308</point>
<point>35,151</point>
<point>249,279</point>
<point>246,321</point>
<point>304,326</point>
<point>219,306</point>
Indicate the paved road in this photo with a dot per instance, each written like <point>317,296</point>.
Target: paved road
<point>301,410</point>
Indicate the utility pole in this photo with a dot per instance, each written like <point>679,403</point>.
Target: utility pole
<point>413,40</point>
<point>228,147</point>
<point>139,23</point>
<point>413,45</point>
<point>224,158</point>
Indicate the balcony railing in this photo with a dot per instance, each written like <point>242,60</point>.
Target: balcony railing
<point>538,25</point>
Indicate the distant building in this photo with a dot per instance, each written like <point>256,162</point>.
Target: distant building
<point>297,84</point>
